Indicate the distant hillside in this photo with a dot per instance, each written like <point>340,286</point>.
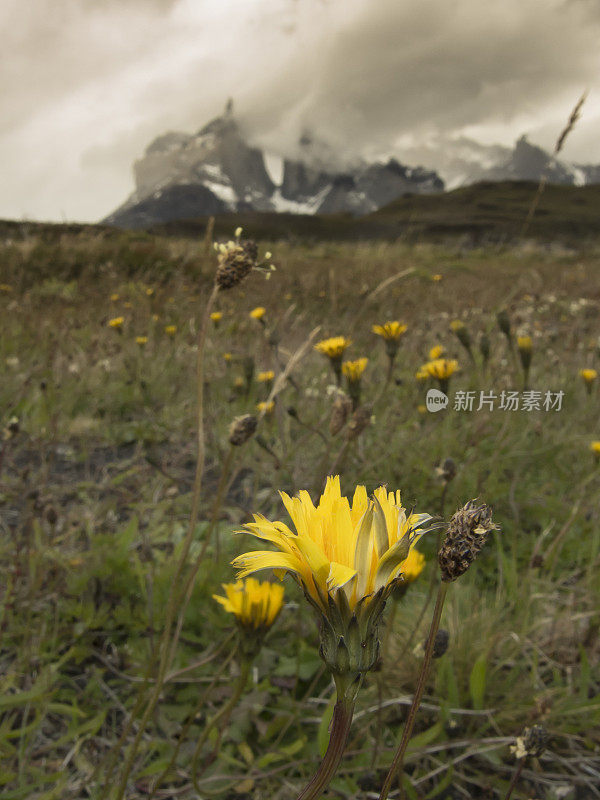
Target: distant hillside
<point>483,212</point>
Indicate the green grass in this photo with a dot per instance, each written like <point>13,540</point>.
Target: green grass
<point>95,496</point>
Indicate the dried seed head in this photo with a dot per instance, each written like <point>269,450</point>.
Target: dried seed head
<point>441,642</point>
<point>466,535</point>
<point>532,742</point>
<point>504,322</point>
<point>360,420</point>
<point>236,260</point>
<point>446,471</point>
<point>241,429</point>
<point>484,346</point>
<point>535,740</point>
<point>342,408</point>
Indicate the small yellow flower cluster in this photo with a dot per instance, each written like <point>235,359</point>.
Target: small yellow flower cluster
<point>265,377</point>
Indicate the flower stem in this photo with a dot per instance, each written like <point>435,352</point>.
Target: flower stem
<point>515,778</point>
<point>398,762</point>
<point>340,728</point>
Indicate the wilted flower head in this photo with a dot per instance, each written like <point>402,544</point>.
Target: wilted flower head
<point>360,419</point>
<point>333,347</point>
<point>235,261</point>
<point>258,313</point>
<point>353,370</point>
<point>504,322</point>
<point>436,352</point>
<point>256,605</point>
<point>241,429</point>
<point>532,742</point>
<point>390,330</point>
<point>446,471</point>
<point>484,346</point>
<point>340,411</point>
<point>116,322</point>
<point>462,333</point>
<point>467,533</point>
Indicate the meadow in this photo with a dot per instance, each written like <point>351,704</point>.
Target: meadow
<point>98,347</point>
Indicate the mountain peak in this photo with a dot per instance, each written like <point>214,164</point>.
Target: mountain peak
<point>216,170</point>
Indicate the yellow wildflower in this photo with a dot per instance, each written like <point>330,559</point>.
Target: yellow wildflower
<point>456,325</point>
<point>436,352</point>
<point>390,330</point>
<point>266,407</point>
<point>141,340</point>
<point>216,316</point>
<point>353,370</point>
<point>258,313</point>
<point>340,552</point>
<point>116,322</point>
<point>228,357</point>
<point>437,277</point>
<point>149,291</point>
<point>265,377</point>
<point>170,330</point>
<point>589,375</point>
<point>441,368</point>
<point>595,447</point>
<point>524,343</point>
<point>114,297</point>
<point>255,605</point>
<point>127,304</point>
<point>333,347</point>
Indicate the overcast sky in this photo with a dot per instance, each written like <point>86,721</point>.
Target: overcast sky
<point>85,85</point>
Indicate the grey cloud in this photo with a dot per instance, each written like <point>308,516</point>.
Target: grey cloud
<point>86,84</point>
